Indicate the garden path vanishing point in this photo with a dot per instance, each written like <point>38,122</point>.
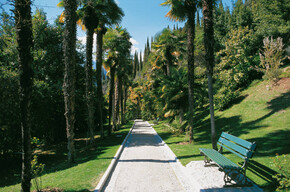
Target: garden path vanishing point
<point>144,164</point>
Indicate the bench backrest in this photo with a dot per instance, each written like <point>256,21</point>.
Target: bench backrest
<point>242,148</point>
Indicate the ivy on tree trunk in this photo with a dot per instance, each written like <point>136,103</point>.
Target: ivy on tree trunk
<point>207,8</point>
<point>24,39</point>
<point>190,65</point>
<point>69,48</point>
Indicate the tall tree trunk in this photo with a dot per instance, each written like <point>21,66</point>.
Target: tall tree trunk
<point>69,47</point>
<point>168,61</point>
<point>121,93</point>
<point>116,103</point>
<point>24,39</point>
<point>197,19</point>
<point>111,100</point>
<point>181,119</point>
<point>209,60</point>
<point>124,102</point>
<point>190,65</point>
<point>99,78</point>
<point>89,83</point>
<point>125,98</point>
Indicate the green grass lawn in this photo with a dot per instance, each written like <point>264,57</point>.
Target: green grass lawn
<point>91,163</point>
<point>260,115</point>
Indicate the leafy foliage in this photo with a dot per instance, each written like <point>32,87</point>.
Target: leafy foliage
<point>271,58</point>
<point>234,67</point>
<point>281,162</point>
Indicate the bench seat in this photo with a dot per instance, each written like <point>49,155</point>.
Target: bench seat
<point>219,159</point>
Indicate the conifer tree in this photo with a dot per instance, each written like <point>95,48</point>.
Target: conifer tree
<point>197,19</point>
<point>148,48</point>
<point>141,62</point>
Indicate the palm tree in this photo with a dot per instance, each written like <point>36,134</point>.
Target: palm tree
<point>96,14</point>
<point>164,47</point>
<point>182,10</point>
<point>117,44</point>
<point>207,9</point>
<point>24,39</point>
<point>108,14</point>
<point>89,19</point>
<point>69,48</point>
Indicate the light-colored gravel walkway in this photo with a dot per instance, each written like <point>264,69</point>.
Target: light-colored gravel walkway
<point>148,164</point>
<point>143,165</point>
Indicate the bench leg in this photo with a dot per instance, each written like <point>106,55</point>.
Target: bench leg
<point>237,176</point>
<point>227,179</point>
<point>206,160</point>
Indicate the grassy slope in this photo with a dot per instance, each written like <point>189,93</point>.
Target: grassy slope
<point>262,116</point>
<point>85,174</point>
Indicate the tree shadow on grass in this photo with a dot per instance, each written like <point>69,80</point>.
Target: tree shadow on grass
<point>57,160</point>
<point>234,125</point>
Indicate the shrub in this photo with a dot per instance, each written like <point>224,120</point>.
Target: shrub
<point>282,163</point>
<point>235,66</point>
<point>271,58</point>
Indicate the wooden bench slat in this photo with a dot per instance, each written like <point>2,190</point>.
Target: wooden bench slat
<point>237,140</point>
<point>237,148</point>
<point>218,158</point>
<point>229,149</point>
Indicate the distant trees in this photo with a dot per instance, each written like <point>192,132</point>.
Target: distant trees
<point>117,45</point>
<point>24,39</point>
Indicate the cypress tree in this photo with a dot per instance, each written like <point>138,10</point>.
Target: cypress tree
<point>23,26</point>
<point>148,47</point>
<point>197,19</point>
<point>141,62</point>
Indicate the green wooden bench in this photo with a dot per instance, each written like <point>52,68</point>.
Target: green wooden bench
<point>242,148</point>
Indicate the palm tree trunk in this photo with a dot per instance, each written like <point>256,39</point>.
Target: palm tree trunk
<point>169,61</point>
<point>25,44</point>
<point>209,60</point>
<point>125,98</point>
<point>190,65</point>
<point>69,47</point>
<point>111,96</point>
<point>89,83</point>
<point>116,103</point>
<point>181,119</point>
<point>121,100</point>
<point>124,102</point>
<point>99,78</point>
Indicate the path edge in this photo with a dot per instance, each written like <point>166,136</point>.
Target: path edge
<point>113,163</point>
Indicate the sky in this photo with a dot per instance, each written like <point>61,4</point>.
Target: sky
<point>143,18</point>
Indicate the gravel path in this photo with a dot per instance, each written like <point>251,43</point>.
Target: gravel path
<point>143,165</point>
<point>148,164</point>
